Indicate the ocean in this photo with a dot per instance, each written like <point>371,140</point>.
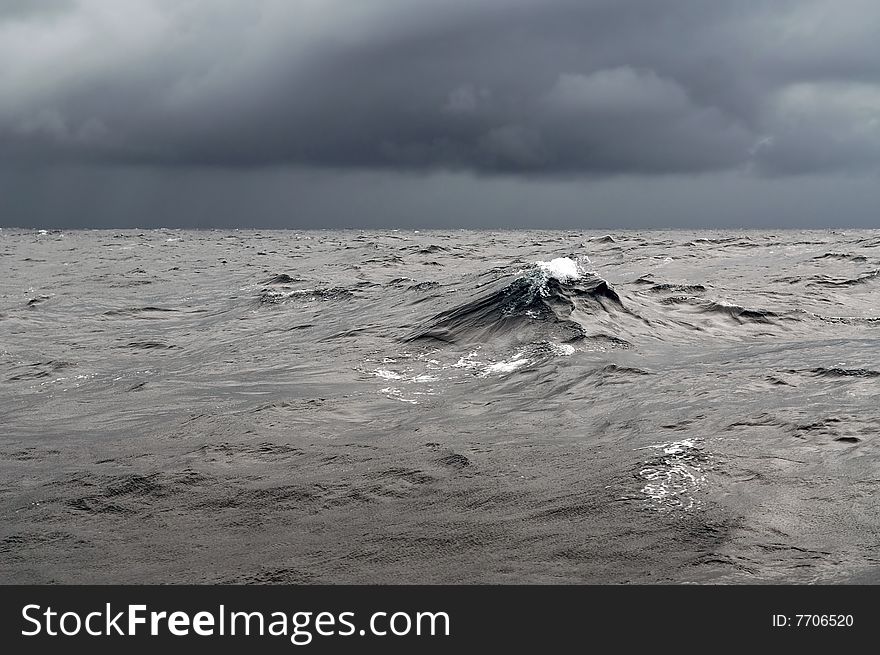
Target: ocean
<point>439,406</point>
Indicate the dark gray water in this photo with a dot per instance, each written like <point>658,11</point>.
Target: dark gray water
<point>435,407</point>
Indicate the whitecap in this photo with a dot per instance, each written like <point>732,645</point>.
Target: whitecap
<point>396,394</point>
<point>563,269</point>
<point>508,366</point>
<point>563,349</point>
<point>385,374</point>
<point>468,361</point>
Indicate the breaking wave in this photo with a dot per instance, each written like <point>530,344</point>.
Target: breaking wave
<point>559,293</point>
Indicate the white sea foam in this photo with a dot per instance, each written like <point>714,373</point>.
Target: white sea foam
<point>563,349</point>
<point>508,366</point>
<point>424,371</point>
<point>562,268</point>
<point>385,374</point>
<point>678,447</point>
<point>672,479</point>
<point>468,361</point>
<point>388,374</point>
<point>397,394</point>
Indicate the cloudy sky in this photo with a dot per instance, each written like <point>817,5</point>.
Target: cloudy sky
<point>420,113</point>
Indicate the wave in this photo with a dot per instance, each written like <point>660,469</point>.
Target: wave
<point>675,288</point>
<point>719,241</point>
<point>741,314</point>
<point>548,293</point>
<point>282,278</point>
<point>140,312</point>
<point>277,297</point>
<point>387,260</point>
<point>842,255</point>
<point>37,300</point>
<point>429,249</point>
<point>825,281</point>
<point>38,370</point>
<point>615,374</point>
<point>837,372</point>
<point>149,345</point>
<point>601,342</point>
<point>411,284</point>
<point>737,313</point>
<point>868,321</point>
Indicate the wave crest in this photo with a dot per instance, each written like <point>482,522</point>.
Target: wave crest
<point>548,293</point>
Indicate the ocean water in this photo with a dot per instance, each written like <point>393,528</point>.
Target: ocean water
<point>439,407</point>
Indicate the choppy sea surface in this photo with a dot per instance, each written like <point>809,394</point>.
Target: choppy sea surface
<point>427,407</point>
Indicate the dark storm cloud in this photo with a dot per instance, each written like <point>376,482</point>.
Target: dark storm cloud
<point>538,88</point>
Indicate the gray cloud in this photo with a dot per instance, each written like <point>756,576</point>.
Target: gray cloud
<point>18,9</point>
<point>557,87</point>
<point>148,197</point>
